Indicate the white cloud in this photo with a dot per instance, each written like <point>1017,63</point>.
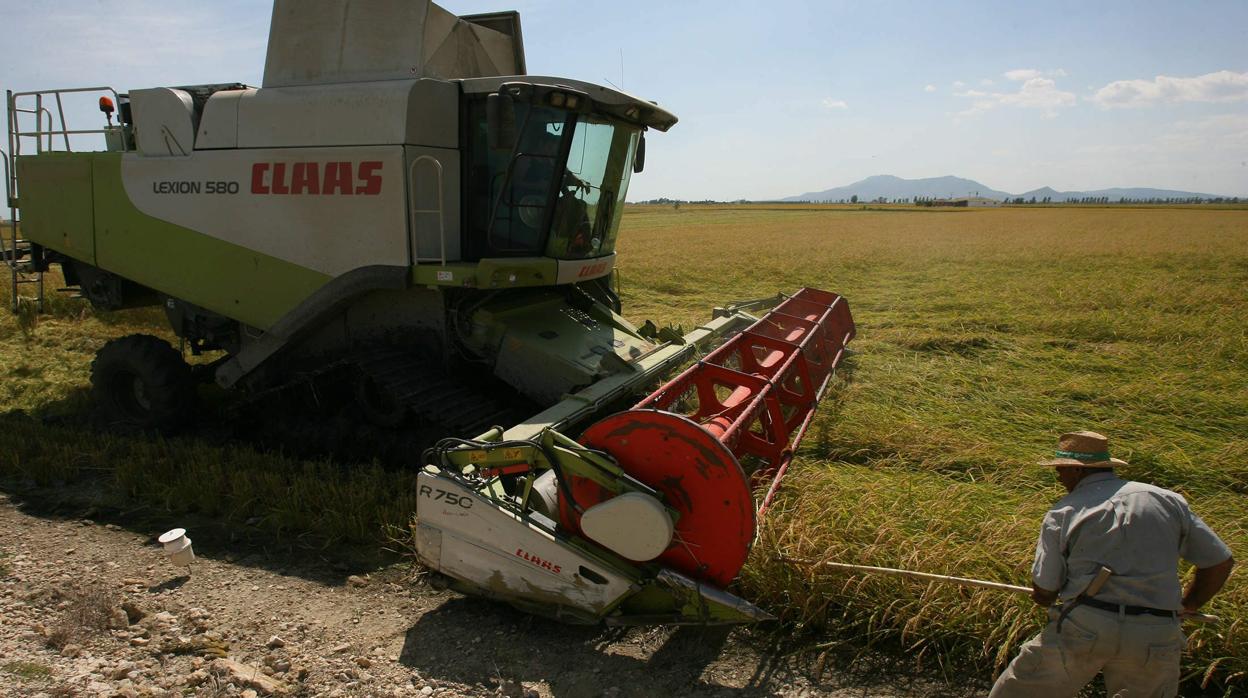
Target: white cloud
<point>986,82</point>
<point>1035,93</point>
<point>929,88</point>
<point>1024,74</point>
<point>958,84</point>
<point>1039,93</point>
<point>829,103</point>
<point>1222,86</point>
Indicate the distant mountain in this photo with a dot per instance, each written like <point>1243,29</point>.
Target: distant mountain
<point>890,187</point>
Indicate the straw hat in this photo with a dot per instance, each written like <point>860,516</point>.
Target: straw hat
<point>1083,448</point>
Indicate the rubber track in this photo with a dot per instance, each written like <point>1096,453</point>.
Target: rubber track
<point>433,396</point>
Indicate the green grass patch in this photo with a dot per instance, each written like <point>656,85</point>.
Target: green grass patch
<point>27,670</point>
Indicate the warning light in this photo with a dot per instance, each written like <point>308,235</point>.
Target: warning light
<point>106,106</point>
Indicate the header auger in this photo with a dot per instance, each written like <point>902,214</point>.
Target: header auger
<point>402,209</point>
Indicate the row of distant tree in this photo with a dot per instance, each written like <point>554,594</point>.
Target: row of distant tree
<point>929,201</point>
<point>663,201</point>
<point>1126,200</point>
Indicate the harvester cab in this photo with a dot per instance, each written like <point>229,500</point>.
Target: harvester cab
<point>401,209</point>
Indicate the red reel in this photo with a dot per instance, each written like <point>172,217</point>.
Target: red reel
<point>753,396</point>
<point>698,476</point>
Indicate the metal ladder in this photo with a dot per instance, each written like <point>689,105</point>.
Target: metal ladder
<point>18,254</point>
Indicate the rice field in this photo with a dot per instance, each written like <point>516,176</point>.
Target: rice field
<point>983,334</point>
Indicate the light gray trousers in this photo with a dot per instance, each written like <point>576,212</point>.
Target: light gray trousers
<point>1138,654</point>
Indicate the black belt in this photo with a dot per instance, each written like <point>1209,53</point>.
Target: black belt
<point>1129,610</point>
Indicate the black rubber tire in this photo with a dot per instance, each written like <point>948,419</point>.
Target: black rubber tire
<point>141,381</point>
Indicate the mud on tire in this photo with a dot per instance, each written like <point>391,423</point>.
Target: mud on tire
<point>142,381</point>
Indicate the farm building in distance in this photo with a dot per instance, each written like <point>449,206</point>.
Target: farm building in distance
<point>963,202</point>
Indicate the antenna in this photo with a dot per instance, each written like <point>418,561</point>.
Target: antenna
<point>620,86</point>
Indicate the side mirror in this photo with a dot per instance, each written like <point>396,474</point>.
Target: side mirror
<point>500,116</point>
<point>639,160</point>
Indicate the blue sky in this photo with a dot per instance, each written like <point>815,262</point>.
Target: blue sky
<point>780,98</point>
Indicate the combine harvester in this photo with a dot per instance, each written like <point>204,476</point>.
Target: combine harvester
<point>401,208</point>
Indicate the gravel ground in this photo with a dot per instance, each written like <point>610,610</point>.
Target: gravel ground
<point>89,608</point>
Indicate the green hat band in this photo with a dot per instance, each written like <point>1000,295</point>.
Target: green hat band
<point>1084,456</point>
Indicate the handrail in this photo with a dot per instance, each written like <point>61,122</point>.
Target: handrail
<point>39,113</point>
<point>10,105</point>
<point>60,109</point>
<point>71,132</point>
<point>8,196</point>
<point>14,126</point>
<point>43,111</point>
<point>8,180</point>
<point>8,245</point>
<point>441,215</point>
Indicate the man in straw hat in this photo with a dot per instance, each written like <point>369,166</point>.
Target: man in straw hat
<point>1129,627</point>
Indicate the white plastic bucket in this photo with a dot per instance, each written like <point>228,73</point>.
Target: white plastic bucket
<point>178,547</point>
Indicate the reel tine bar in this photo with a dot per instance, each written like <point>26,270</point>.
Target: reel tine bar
<point>758,391</point>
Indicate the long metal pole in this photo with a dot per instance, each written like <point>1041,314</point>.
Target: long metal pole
<point>964,581</point>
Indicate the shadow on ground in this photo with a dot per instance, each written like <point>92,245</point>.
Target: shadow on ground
<point>215,539</point>
<point>495,645</point>
<point>487,644</point>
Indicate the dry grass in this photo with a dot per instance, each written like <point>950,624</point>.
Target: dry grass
<point>983,334</point>
<point>86,613</point>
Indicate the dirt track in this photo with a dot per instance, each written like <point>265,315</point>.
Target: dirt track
<point>93,609</point>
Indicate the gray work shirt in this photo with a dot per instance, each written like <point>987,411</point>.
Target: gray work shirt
<point>1137,530</point>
